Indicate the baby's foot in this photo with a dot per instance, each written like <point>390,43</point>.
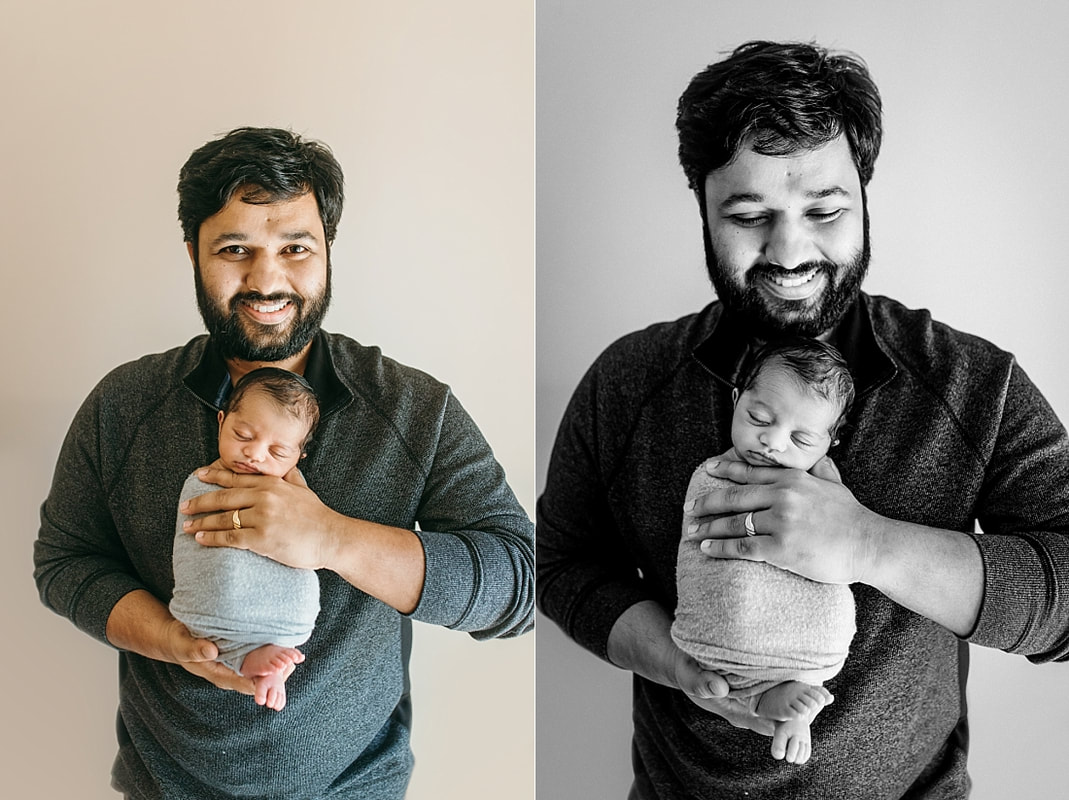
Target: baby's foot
<point>270,659</point>
<point>792,700</point>
<point>270,690</point>
<point>792,741</point>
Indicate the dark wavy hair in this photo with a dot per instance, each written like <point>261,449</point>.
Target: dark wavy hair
<point>268,165</point>
<point>818,367</point>
<point>288,390</point>
<point>787,96</point>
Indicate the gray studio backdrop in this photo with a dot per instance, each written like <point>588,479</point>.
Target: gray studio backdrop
<point>968,208</point>
<point>429,108</point>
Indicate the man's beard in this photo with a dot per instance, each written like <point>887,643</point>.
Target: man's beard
<point>767,317</point>
<point>239,337</point>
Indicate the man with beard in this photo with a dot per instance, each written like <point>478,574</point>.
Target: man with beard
<point>405,515</point>
<point>778,142</point>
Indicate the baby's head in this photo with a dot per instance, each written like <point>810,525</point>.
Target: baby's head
<point>790,403</point>
<point>267,422</point>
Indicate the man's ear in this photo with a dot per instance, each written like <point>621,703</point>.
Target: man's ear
<point>192,255</point>
<point>735,396</point>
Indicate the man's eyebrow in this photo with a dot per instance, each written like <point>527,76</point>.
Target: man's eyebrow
<point>742,197</point>
<point>831,191</point>
<point>236,236</point>
<point>756,197</point>
<point>226,238</point>
<point>295,235</point>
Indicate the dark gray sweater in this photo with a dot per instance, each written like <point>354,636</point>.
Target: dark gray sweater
<point>394,447</point>
<point>947,430</point>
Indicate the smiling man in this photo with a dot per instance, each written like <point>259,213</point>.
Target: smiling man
<point>405,514</point>
<point>778,142</point>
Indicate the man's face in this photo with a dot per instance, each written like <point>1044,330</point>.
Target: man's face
<point>262,277</point>
<point>788,245</point>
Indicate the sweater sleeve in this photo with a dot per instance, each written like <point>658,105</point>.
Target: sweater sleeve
<point>1024,513</point>
<point>585,578</point>
<point>81,567</point>
<point>477,539</point>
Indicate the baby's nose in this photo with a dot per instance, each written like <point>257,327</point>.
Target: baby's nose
<point>254,453</point>
<point>774,440</point>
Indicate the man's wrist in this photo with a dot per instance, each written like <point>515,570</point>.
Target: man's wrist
<point>640,642</point>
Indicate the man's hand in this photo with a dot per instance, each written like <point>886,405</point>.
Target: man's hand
<point>220,676</point>
<point>806,522</point>
<point>286,521</point>
<point>197,657</point>
<point>640,641</point>
<point>142,624</point>
<point>708,690</point>
<point>810,524</point>
<point>272,512</point>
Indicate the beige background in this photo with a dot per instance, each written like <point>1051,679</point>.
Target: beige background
<point>969,214</point>
<point>429,109</point>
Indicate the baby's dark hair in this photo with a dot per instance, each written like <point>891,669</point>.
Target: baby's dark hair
<point>818,367</point>
<point>288,390</point>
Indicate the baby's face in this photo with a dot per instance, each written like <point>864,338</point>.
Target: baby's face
<point>779,423</point>
<point>260,437</point>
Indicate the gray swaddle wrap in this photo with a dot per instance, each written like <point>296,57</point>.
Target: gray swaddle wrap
<point>239,599</point>
<point>756,624</point>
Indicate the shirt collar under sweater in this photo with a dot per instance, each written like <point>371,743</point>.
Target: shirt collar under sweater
<point>724,350</point>
<point>210,379</point>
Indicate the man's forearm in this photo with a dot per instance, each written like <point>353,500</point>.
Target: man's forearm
<point>142,624</point>
<point>384,562</point>
<point>936,573</point>
<point>640,641</point>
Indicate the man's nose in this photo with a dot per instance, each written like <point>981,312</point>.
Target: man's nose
<point>789,244</point>
<point>266,274</point>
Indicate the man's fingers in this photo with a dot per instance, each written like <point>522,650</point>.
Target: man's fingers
<point>220,476</point>
<point>295,477</point>
<point>185,647</point>
<point>200,650</point>
<point>825,469</point>
<point>725,526</point>
<point>224,538</point>
<point>731,499</point>
<point>710,685</point>
<point>747,548</point>
<point>220,521</point>
<point>741,472</point>
<point>221,676</point>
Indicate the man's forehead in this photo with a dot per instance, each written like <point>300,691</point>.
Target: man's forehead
<point>810,174</point>
<point>300,213</point>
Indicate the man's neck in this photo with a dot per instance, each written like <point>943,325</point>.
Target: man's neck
<point>238,367</point>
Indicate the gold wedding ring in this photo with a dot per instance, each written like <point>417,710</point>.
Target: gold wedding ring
<point>748,523</point>
<point>237,520</point>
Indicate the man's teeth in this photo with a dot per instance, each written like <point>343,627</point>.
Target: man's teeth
<point>790,281</point>
<point>266,308</point>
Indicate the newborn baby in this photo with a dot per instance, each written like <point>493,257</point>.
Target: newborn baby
<point>775,636</point>
<point>257,611</point>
